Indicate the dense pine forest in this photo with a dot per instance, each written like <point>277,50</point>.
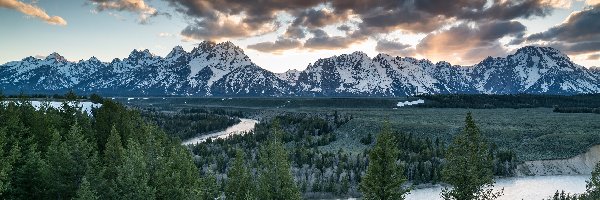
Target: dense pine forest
<point>67,154</point>
<point>191,122</point>
<point>117,152</point>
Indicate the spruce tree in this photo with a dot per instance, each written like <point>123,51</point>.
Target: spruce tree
<point>209,189</point>
<point>239,182</point>
<point>29,179</point>
<point>275,176</point>
<point>469,167</point>
<point>592,186</point>
<point>113,159</point>
<point>69,160</point>
<point>384,177</point>
<point>176,175</point>
<point>8,155</point>
<point>133,177</point>
<point>85,191</point>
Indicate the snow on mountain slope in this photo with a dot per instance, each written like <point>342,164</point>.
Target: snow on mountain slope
<point>223,69</point>
<point>347,74</point>
<point>290,76</point>
<point>250,80</point>
<point>536,70</point>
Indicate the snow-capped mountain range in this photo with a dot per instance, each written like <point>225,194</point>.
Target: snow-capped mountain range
<point>224,70</point>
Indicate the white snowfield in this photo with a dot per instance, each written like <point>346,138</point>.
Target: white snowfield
<point>85,106</point>
<point>410,103</point>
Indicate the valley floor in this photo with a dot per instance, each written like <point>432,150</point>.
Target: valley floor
<point>533,133</point>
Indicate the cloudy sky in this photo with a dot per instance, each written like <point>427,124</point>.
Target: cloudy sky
<point>289,34</point>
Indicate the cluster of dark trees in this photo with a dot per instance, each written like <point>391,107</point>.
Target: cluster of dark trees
<point>65,153</point>
<point>69,95</point>
<point>484,101</point>
<point>576,110</point>
<point>190,123</point>
<point>314,170</point>
<point>324,173</point>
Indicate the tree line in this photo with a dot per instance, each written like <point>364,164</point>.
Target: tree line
<point>190,123</point>
<point>489,101</point>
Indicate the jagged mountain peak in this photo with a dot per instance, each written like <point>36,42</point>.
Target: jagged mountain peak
<point>541,52</point>
<point>222,69</point>
<point>536,49</point>
<point>55,57</point>
<point>30,59</point>
<point>217,48</point>
<point>93,59</point>
<point>176,52</point>
<point>137,54</point>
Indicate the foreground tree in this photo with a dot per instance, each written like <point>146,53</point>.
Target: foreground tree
<point>469,167</point>
<point>86,192</point>
<point>384,177</point>
<point>239,182</point>
<point>275,178</point>
<point>69,159</point>
<point>133,177</point>
<point>177,177</point>
<point>592,186</point>
<point>8,155</point>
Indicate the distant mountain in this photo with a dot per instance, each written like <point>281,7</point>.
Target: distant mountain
<point>224,70</point>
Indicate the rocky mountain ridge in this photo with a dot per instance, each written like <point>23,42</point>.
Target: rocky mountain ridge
<point>223,69</point>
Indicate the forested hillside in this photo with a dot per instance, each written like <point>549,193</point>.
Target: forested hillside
<point>66,154</point>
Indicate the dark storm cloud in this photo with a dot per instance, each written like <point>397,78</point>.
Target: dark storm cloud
<point>580,26</point>
<point>231,19</point>
<point>257,16</point>
<point>470,43</point>
<point>313,18</point>
<point>429,15</point>
<point>394,48</point>
<point>276,47</point>
<point>344,28</point>
<point>508,10</point>
<point>322,40</point>
<point>579,34</point>
<point>295,32</point>
<point>210,30</point>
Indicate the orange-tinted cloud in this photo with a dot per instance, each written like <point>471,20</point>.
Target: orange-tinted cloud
<point>465,44</point>
<point>32,10</point>
<point>137,6</point>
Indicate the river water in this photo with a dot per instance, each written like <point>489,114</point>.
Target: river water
<point>530,187</point>
<point>245,125</point>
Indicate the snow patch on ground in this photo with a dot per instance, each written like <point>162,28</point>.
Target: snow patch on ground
<point>85,106</point>
<point>410,103</point>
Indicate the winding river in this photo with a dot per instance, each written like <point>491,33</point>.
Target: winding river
<point>528,187</point>
<point>244,126</point>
